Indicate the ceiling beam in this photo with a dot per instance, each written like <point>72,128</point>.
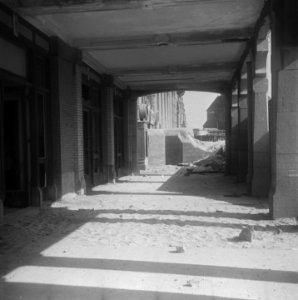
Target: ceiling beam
<point>46,7</point>
<point>164,40</point>
<point>173,70</point>
<point>215,87</point>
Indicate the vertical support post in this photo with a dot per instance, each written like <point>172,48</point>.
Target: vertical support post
<point>261,157</point>
<point>108,120</point>
<point>64,118</point>
<point>228,123</point>
<point>234,131</point>
<point>79,143</point>
<point>284,189</point>
<point>133,134</point>
<point>250,108</point>
<point>141,142</point>
<point>242,131</point>
<point>1,158</point>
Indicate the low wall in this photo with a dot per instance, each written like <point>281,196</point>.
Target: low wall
<point>156,147</point>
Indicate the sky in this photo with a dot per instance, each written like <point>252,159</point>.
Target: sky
<point>196,104</point>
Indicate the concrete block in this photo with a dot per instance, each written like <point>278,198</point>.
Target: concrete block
<point>156,147</point>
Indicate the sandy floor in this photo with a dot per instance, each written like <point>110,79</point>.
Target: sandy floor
<point>158,211</point>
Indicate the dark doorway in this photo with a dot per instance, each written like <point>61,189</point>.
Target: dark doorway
<point>14,151</point>
<point>91,94</point>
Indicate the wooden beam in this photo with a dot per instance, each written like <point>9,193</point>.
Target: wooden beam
<point>163,40</point>
<point>46,7</point>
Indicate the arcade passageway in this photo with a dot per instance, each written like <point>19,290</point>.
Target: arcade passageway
<point>169,237</point>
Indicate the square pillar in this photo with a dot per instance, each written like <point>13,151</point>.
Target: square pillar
<point>108,125</point>
<point>228,126</point>
<point>261,157</point>
<point>234,133</point>
<point>80,183</point>
<point>142,144</point>
<point>1,159</point>
<point>132,119</point>
<point>242,133</point>
<point>66,169</point>
<point>284,187</point>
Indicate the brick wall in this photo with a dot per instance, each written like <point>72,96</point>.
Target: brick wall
<point>66,159</point>
<point>79,142</point>
<point>108,131</point>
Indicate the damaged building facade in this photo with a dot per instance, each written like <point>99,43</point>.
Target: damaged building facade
<point>70,77</point>
<point>157,113</point>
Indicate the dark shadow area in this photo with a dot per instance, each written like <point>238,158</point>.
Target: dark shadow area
<point>216,214</point>
<point>156,174</point>
<point>31,291</point>
<point>134,181</point>
<point>92,193</point>
<point>170,268</point>
<point>211,186</point>
<point>152,221</point>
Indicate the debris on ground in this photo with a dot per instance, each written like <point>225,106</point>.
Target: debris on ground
<point>245,235</point>
<point>188,284</point>
<point>178,249</point>
<point>213,163</point>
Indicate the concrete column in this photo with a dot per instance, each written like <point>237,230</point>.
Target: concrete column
<point>234,131</point>
<point>126,132</point>
<point>134,145</point>
<point>132,134</point>
<point>108,125</point>
<point>1,159</point>
<point>79,143</point>
<point>242,132</point>
<point>261,159</point>
<point>284,189</point>
<point>65,114</point>
<point>228,122</point>
<point>250,107</point>
<point>141,143</point>
<point>261,155</point>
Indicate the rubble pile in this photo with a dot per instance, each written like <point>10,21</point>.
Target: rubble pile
<point>213,163</point>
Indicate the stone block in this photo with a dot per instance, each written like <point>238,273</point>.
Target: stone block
<point>156,147</point>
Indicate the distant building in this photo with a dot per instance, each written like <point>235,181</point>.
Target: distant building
<point>216,114</point>
<point>163,110</point>
<point>158,111</point>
